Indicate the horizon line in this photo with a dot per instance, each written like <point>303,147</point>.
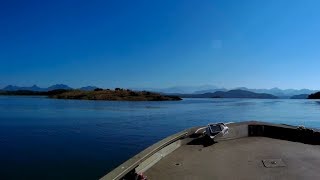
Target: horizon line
<point>159,88</point>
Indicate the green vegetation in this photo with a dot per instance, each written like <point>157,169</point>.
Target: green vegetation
<point>97,94</point>
<point>98,89</point>
<point>114,95</point>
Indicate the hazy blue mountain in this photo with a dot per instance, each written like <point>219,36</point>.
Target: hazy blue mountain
<point>273,91</point>
<point>16,88</point>
<point>35,88</point>
<point>88,88</point>
<point>185,90</point>
<point>300,96</point>
<point>58,86</point>
<point>242,94</point>
<point>179,89</point>
<point>204,95</point>
<point>241,88</point>
<point>11,88</point>
<point>283,93</point>
<point>188,89</point>
<point>229,94</point>
<point>209,91</point>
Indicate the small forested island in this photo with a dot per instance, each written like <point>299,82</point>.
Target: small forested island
<point>117,94</point>
<point>114,95</point>
<point>314,95</point>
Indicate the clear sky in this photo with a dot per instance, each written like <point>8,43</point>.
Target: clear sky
<point>257,44</point>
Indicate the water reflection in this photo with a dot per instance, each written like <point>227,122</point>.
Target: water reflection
<point>67,135</point>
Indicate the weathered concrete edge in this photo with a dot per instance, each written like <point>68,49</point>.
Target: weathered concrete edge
<point>133,162</point>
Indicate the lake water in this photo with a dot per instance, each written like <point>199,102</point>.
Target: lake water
<point>43,138</point>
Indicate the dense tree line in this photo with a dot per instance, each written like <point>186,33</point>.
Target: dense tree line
<point>314,95</point>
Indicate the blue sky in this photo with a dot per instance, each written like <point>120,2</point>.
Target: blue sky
<point>257,44</point>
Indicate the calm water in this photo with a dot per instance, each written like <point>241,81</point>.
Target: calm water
<point>44,138</point>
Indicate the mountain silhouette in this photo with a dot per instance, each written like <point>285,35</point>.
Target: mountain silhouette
<point>229,94</point>
<point>58,86</point>
<point>283,93</point>
<point>16,88</point>
<point>35,88</point>
<point>300,96</point>
<point>88,88</point>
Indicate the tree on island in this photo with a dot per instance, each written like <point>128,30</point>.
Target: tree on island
<point>314,95</point>
<point>98,89</point>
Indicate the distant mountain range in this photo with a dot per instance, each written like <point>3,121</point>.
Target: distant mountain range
<point>283,93</point>
<point>50,88</point>
<point>300,96</point>
<point>184,91</point>
<point>88,88</point>
<point>16,88</point>
<point>230,94</point>
<point>242,94</point>
<point>181,89</point>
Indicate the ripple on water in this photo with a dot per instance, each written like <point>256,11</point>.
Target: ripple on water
<point>105,134</point>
